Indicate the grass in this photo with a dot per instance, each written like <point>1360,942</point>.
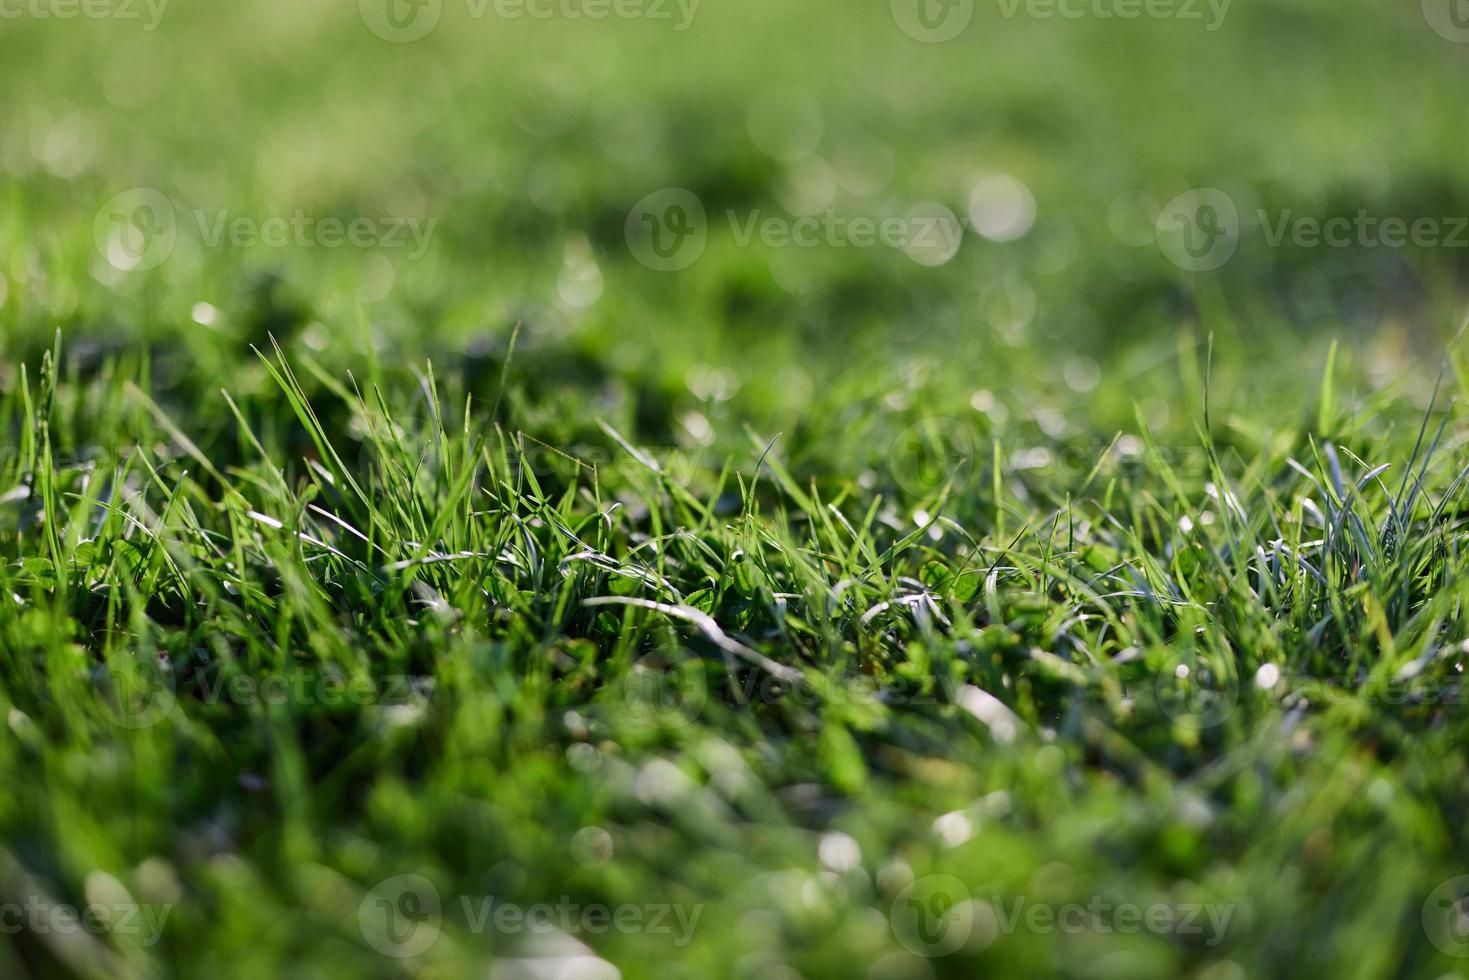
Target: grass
<point>516,609</point>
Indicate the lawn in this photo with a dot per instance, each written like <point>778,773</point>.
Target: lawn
<point>586,489</point>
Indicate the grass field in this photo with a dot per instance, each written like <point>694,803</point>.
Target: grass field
<point>653,488</point>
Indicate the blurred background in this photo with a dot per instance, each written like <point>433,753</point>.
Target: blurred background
<point>516,138</point>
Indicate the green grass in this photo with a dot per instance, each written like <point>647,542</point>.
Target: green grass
<point>357,603</point>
